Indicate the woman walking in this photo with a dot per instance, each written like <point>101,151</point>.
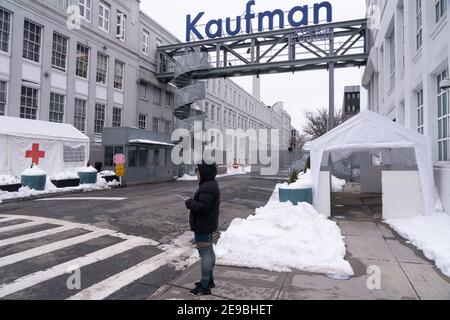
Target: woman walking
<point>204,222</point>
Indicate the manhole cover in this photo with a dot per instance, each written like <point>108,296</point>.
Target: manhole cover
<point>338,277</point>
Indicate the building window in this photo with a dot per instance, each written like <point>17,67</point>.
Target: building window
<point>59,51</point>
<point>99,118</point>
<point>117,117</point>
<point>118,75</point>
<point>85,9</point>
<point>419,32</point>
<point>167,126</point>
<point>104,14</point>
<point>441,9</point>
<point>145,43</point>
<point>102,68</point>
<point>392,58</point>
<point>29,103</point>
<point>80,115</point>
<point>82,61</point>
<point>143,90</point>
<point>5,30</point>
<point>31,41</point>
<point>169,99</point>
<point>213,111</point>
<point>219,114</point>
<point>443,119</point>
<point>155,125</point>
<point>3,95</point>
<point>57,102</point>
<point>157,96</point>
<point>420,109</point>
<point>142,121</point>
<point>206,110</point>
<point>110,151</point>
<point>121,26</point>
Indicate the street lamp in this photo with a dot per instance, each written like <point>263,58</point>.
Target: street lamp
<point>445,84</point>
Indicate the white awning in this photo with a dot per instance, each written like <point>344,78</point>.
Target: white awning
<point>151,142</point>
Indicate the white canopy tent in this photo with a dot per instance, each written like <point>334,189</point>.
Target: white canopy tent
<point>54,147</point>
<point>369,130</point>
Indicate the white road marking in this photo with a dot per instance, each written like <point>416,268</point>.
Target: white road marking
<point>42,220</point>
<point>107,287</point>
<point>35,235</point>
<point>6,219</point>
<point>28,254</point>
<point>20,226</point>
<point>53,272</point>
<point>83,199</point>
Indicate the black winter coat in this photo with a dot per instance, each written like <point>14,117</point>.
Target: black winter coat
<point>204,207</point>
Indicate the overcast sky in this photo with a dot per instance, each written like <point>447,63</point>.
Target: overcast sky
<point>299,92</point>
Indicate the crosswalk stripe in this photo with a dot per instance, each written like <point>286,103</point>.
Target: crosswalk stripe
<point>28,254</point>
<point>20,226</point>
<point>35,235</point>
<point>6,219</point>
<point>53,272</point>
<point>105,288</point>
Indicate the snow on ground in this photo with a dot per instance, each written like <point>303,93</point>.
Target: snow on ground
<point>230,172</point>
<point>107,173</point>
<point>189,257</point>
<point>337,185</point>
<point>282,237</point>
<point>26,192</point>
<point>8,180</point>
<point>65,176</point>
<point>430,234</point>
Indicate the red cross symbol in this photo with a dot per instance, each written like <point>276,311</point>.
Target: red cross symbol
<point>35,154</point>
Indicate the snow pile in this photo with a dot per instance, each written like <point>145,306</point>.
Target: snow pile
<point>26,192</point>
<point>187,177</point>
<point>190,255</point>
<point>65,176</point>
<point>337,185</point>
<point>33,172</point>
<point>282,237</point>
<point>87,170</point>
<point>431,234</point>
<point>107,173</point>
<point>230,172</point>
<point>304,182</point>
<point>8,180</point>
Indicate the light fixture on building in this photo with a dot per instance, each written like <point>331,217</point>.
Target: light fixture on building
<point>445,84</point>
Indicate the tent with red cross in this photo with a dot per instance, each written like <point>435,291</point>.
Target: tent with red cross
<point>54,147</point>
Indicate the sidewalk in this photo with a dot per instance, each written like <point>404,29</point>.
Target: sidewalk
<point>405,273</point>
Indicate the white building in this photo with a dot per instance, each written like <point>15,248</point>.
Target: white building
<point>410,49</point>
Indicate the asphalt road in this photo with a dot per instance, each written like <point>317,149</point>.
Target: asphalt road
<point>113,237</point>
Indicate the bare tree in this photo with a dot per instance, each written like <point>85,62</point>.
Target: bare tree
<point>317,123</point>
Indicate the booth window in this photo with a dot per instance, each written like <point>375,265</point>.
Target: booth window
<point>142,156</point>
<point>110,151</point>
<point>74,155</point>
<point>137,156</point>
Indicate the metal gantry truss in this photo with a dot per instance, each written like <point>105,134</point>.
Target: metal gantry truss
<point>316,47</point>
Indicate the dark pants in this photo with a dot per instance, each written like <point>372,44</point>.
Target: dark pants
<point>204,243</point>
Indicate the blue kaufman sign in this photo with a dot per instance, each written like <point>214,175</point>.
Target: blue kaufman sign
<point>298,16</point>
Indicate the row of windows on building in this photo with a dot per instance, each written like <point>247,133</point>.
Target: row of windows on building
<point>29,106</point>
<point>32,38</point>
<point>229,118</point>
<point>230,95</point>
<point>443,117</point>
<point>440,11</point>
